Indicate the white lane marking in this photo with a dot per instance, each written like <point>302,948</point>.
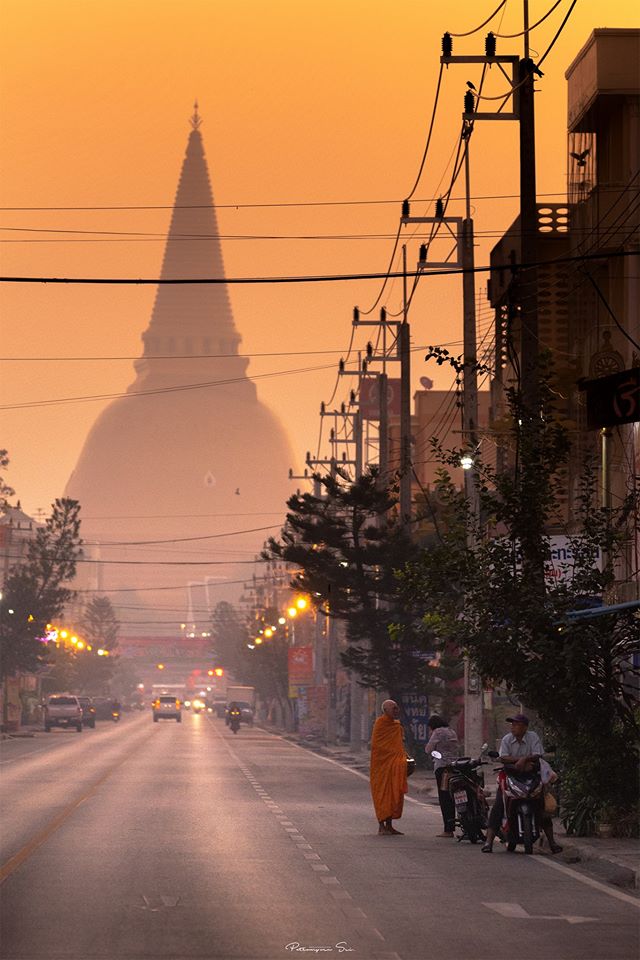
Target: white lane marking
<point>602,887</point>
<point>319,867</point>
<point>331,881</point>
<point>515,911</point>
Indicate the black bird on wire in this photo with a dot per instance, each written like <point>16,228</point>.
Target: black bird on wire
<point>470,85</point>
<point>581,158</point>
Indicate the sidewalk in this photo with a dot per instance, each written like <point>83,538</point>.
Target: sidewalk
<point>615,861</point>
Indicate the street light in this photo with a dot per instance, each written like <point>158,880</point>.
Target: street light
<point>466,461</point>
<point>292,612</point>
<point>301,603</point>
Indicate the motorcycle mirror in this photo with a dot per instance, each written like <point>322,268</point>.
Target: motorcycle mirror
<point>436,755</point>
<point>493,754</point>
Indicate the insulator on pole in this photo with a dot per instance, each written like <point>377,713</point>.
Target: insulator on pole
<point>322,406</point>
<point>332,434</point>
<point>356,315</point>
<point>352,397</point>
<point>364,366</point>
<point>290,473</point>
<point>341,366</point>
<point>406,208</point>
<point>447,45</point>
<point>343,408</point>
<point>308,456</point>
<point>490,45</point>
<point>344,455</point>
<point>369,349</point>
<point>423,253</point>
<point>383,314</point>
<point>469,102</point>
<point>439,208</point>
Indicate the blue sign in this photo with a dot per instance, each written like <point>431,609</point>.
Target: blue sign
<point>416,708</point>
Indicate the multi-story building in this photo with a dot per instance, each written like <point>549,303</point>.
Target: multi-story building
<point>603,175</point>
<point>588,304</point>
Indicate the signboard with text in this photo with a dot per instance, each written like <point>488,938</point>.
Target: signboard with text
<point>613,400</point>
<point>300,668</point>
<point>369,398</point>
<point>416,708</point>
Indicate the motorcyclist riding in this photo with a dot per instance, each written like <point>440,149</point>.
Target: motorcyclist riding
<point>520,751</point>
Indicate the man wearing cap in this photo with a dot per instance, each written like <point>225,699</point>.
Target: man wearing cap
<point>518,750</point>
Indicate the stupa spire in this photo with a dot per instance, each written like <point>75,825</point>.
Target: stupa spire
<point>192,321</point>
<point>195,120</point>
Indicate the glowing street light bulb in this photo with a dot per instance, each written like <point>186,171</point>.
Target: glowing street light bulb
<point>301,603</point>
<point>292,611</point>
<point>80,645</point>
<point>64,634</point>
<point>268,633</point>
<point>258,640</point>
<point>282,620</point>
<point>466,461</point>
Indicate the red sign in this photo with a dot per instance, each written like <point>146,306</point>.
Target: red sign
<point>300,665</point>
<point>369,396</point>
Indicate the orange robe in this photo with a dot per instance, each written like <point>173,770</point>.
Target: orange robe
<point>388,769</point>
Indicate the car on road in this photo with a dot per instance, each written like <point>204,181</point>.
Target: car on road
<point>62,710</point>
<point>167,708</point>
<point>88,711</point>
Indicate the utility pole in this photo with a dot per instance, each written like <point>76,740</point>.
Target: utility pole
<point>404,346</point>
<point>528,286</point>
<point>521,96</point>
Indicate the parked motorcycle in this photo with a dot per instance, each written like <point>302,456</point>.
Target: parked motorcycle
<point>234,720</point>
<point>466,786</point>
<point>522,793</point>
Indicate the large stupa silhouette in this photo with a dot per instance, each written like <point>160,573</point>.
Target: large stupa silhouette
<point>189,451</point>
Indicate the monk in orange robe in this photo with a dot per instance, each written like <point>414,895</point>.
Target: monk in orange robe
<point>388,769</point>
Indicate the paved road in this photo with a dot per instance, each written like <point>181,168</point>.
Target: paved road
<point>179,842</point>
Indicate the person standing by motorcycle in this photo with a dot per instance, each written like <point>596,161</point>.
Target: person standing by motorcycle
<point>519,750</point>
<point>444,739</point>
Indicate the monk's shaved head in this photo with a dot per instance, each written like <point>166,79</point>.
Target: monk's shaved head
<point>389,707</point>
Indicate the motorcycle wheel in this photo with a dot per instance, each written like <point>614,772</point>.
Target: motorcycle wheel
<point>470,827</point>
<point>527,833</point>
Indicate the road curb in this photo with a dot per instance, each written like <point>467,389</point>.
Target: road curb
<point>613,868</point>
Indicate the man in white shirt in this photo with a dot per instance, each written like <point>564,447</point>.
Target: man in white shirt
<point>520,750</point>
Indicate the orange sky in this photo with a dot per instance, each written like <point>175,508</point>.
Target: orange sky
<point>301,102</point>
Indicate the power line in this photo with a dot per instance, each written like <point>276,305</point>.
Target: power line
<point>483,24</point>
<point>212,536</point>
<point>253,206</point>
<point>191,356</point>
<point>511,36</point>
<point>310,278</point>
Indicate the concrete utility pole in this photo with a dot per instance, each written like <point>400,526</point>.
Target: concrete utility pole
<point>404,348</point>
<point>522,110</point>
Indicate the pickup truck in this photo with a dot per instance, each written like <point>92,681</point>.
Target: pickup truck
<point>62,710</point>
